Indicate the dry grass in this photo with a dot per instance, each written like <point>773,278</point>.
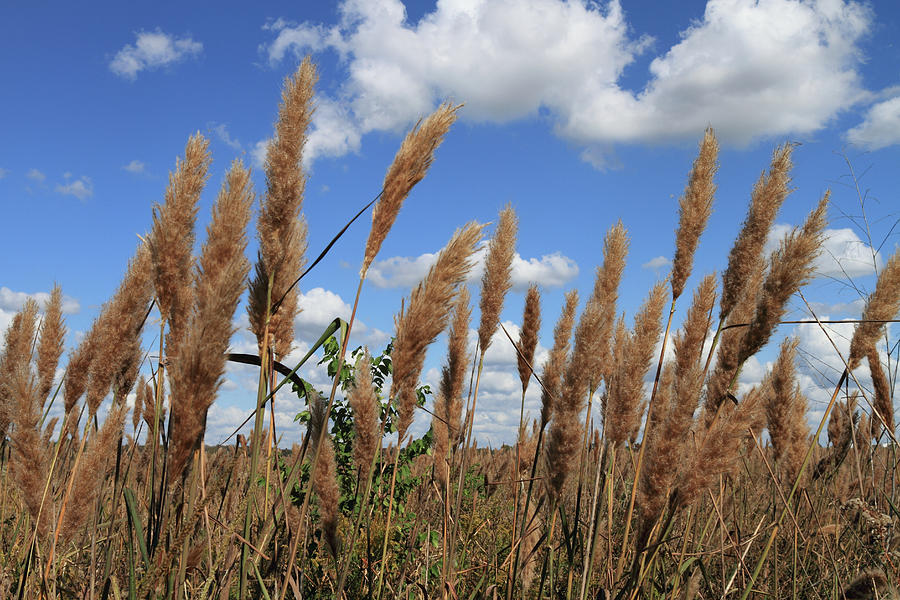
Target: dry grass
<point>720,509</point>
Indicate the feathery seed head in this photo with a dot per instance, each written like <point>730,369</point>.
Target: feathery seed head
<point>410,165</point>
<point>883,404</point>
<point>426,316</point>
<point>790,267</point>
<point>768,194</point>
<point>280,228</point>
<point>50,348</point>
<point>623,414</point>
<point>695,206</point>
<point>555,366</point>
<point>15,360</point>
<point>453,374</point>
<point>882,305</point>
<point>119,326</point>
<point>171,238</point>
<point>496,281</point>
<point>220,278</point>
<point>365,407</point>
<point>528,335</point>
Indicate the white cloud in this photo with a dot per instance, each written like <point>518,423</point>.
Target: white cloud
<point>6,317</point>
<point>550,270</point>
<point>319,308</point>
<point>258,153</point>
<point>853,308</point>
<point>880,127</point>
<point>221,131</point>
<point>14,301</point>
<point>843,254</point>
<point>333,132</point>
<point>510,59</point>
<point>35,175</point>
<point>400,271</point>
<point>657,263</point>
<point>152,50</point>
<point>81,188</point>
<point>135,166</point>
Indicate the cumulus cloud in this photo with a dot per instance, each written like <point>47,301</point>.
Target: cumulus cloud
<point>258,153</point>
<point>654,264</point>
<point>880,127</point>
<point>843,254</point>
<point>35,175</point>
<point>152,50</point>
<point>319,307</point>
<point>220,130</point>
<point>6,317</point>
<point>82,188</point>
<point>510,59</point>
<point>136,167</point>
<point>333,132</point>
<point>550,270</point>
<point>14,301</point>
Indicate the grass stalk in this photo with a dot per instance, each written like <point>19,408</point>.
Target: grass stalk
<point>254,450</point>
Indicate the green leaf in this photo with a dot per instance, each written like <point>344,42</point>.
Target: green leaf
<point>135,519</point>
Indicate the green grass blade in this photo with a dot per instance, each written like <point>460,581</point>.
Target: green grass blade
<point>134,519</point>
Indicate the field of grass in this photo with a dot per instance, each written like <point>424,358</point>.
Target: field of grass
<point>683,488</point>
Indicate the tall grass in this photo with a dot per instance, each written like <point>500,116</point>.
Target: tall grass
<point>632,482</point>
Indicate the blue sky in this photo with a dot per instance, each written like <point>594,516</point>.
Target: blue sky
<point>579,115</point>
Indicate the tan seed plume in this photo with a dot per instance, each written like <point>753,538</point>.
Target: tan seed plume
<point>148,413</point>
<point>555,366</point>
<point>667,442</point>
<point>528,335</point>
<point>718,449</point>
<point>785,408</point>
<point>839,425</point>
<point>220,280</point>
<point>119,326</point>
<point>325,484</point>
<point>626,386</point>
<point>171,239</point>
<point>661,462</point>
<point>96,464</point>
<point>790,268</point>
<point>695,206</point>
<point>564,441</point>
<point>16,355</point>
<point>77,374</point>
<point>688,346</point>
<point>731,342</point>
<point>30,461</point>
<point>280,229</point>
<point>441,444</point>
<point>138,403</point>
<point>884,403</point>
<point>426,316</point>
<point>882,305</point>
<point>768,194</point>
<point>366,430</point>
<point>497,278</point>
<point>863,439</point>
<point>453,374</point>
<point>50,348</point>
<point>606,294</point>
<point>410,165</point>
